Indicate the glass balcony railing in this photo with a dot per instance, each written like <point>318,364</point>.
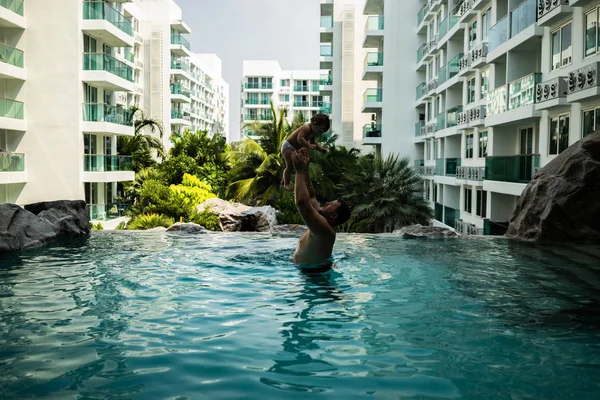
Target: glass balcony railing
<point>496,101</point>
<point>11,109</point>
<point>446,25</point>
<point>101,10</point>
<point>180,40</point>
<point>177,88</point>
<point>103,163</point>
<point>129,56</point>
<point>181,65</point>
<point>522,17</point>
<point>373,95</point>
<point>104,62</point>
<point>521,92</point>
<point>301,88</point>
<point>421,52</point>
<point>451,165</point>
<point>12,162</point>
<point>441,121</point>
<point>438,212</point>
<point>256,85</point>
<point>374,60</point>
<point>11,55</point>
<point>107,212</point>
<point>419,128</point>
<point>15,6</point>
<point>421,90</point>
<point>301,103</point>
<point>498,34</point>
<point>453,65</point>
<point>516,169</point>
<point>325,109</point>
<point>443,74</point>
<point>177,114</point>
<point>257,117</point>
<point>452,116</point>
<point>374,23</point>
<point>440,163</point>
<point>326,50</point>
<point>450,216</point>
<point>98,112</point>
<point>421,14</point>
<point>372,130</point>
<point>326,21</point>
<point>326,79</point>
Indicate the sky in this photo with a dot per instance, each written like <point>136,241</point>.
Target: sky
<point>237,30</point>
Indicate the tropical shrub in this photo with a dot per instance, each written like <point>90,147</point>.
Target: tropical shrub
<point>207,219</point>
<point>149,221</point>
<point>192,191</point>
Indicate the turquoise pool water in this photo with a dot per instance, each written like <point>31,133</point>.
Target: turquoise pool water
<point>157,316</point>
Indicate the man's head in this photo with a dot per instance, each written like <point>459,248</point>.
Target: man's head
<point>320,123</point>
<point>336,212</point>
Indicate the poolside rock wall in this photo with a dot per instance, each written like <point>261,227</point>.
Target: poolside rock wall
<point>562,201</point>
<point>40,223</point>
<point>420,231</point>
<point>236,217</point>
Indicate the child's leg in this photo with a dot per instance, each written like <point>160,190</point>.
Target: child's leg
<point>287,173</point>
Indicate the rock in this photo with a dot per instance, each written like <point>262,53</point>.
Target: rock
<point>236,217</point>
<point>420,231</point>
<point>39,223</point>
<point>187,228</point>
<point>71,218</point>
<point>561,202</point>
<point>289,229</point>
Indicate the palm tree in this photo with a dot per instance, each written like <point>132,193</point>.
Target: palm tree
<point>257,165</point>
<point>140,145</point>
<point>386,194</point>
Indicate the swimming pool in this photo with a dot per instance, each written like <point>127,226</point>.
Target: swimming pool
<point>160,316</point>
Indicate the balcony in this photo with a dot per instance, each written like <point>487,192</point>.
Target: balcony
<point>326,83</point>
<point>262,86</point>
<point>441,121</point>
<point>12,115</point>
<point>451,165</point>
<point>180,26</point>
<point>326,28</point>
<point>12,168</point>
<point>498,34</point>
<point>180,94</point>
<point>445,27</point>
<point>452,116</point>
<point>107,119</point>
<point>104,22</point>
<point>258,117</point>
<point>373,31</point>
<point>11,63</point>
<point>521,92</point>
<point>105,71</point>
<point>451,216</point>
<point>372,134</point>
<point>440,167</point>
<point>107,168</point>
<point>373,7</point>
<point>325,108</point>
<point>420,129</point>
<point>496,101</point>
<point>470,173</point>
<point>180,46</point>
<point>180,117</point>
<point>448,72</point>
<point>464,9</point>
<point>514,31</point>
<point>372,100</point>
<point>550,11</point>
<point>11,14</point>
<point>373,66</point>
<point>517,106</point>
<point>326,56</point>
<point>583,83</point>
<point>301,88</point>
<point>302,104</point>
<point>421,14</point>
<point>515,169</point>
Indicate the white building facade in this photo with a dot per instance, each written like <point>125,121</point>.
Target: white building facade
<point>64,107</point>
<point>264,82</point>
<point>502,87</point>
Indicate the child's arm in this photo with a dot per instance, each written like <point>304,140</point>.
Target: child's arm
<point>317,146</point>
<point>302,135</point>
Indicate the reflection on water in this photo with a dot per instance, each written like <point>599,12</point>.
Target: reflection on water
<point>155,316</point>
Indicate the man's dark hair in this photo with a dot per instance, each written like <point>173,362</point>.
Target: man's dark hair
<point>321,120</point>
<point>343,213</point>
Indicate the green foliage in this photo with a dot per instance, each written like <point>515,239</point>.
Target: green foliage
<point>157,198</point>
<point>285,204</point>
<point>385,194</point>
<point>149,221</point>
<point>174,168</point>
<point>122,226</point>
<point>192,191</point>
<point>141,146</point>
<point>207,219</point>
<point>96,227</point>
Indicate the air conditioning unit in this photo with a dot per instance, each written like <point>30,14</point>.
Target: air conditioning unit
<point>552,89</point>
<point>476,114</point>
<point>545,6</point>
<point>461,118</point>
<point>479,52</point>
<point>583,78</point>
<point>464,62</point>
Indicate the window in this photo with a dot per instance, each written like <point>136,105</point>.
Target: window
<point>481,207</point>
<point>468,200</point>
<point>438,64</point>
<point>591,121</point>
<point>436,149</point>
<point>485,83</point>
<point>472,34</point>
<point>486,22</point>
<point>285,82</point>
<point>483,139</point>
<point>591,32</point>
<point>430,71</point>
<point>471,91</point>
<point>562,49</point>
<point>427,150</point>
<point>427,190</point>
<point>559,134</point>
<point>526,146</point>
<point>265,98</point>
<point>469,146</point>
<point>435,192</point>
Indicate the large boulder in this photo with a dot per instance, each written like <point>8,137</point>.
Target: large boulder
<point>38,224</point>
<point>187,227</point>
<point>291,229</point>
<point>236,217</point>
<point>420,231</point>
<point>561,202</point>
<point>70,218</point>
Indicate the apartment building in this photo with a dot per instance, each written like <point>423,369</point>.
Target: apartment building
<point>64,107</point>
<point>502,87</point>
<point>356,103</point>
<point>298,92</point>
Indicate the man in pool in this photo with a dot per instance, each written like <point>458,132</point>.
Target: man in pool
<point>316,245</point>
